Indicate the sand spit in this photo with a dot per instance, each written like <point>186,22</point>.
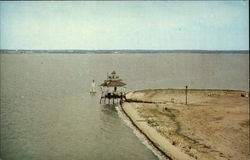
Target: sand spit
<point>214,124</point>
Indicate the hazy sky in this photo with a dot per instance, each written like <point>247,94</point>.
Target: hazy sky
<point>211,25</point>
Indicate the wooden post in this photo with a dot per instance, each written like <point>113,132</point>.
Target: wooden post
<point>186,94</point>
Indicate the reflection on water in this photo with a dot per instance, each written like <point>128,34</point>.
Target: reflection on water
<point>109,109</point>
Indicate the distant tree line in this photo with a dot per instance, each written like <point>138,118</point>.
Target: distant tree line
<point>8,51</point>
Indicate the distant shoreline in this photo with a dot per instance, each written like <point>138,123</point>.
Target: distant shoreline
<point>9,51</point>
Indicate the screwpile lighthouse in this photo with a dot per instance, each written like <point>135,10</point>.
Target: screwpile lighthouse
<point>112,89</point>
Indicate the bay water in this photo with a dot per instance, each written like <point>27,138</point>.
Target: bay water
<point>47,112</point>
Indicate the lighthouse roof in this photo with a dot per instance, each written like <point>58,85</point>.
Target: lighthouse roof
<point>113,83</point>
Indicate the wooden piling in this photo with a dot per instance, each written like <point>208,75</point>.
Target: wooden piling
<point>186,93</point>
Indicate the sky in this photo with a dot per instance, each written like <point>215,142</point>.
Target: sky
<point>156,25</point>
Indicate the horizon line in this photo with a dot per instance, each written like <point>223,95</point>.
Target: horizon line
<point>124,49</point>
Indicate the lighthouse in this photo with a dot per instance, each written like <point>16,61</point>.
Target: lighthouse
<point>112,89</point>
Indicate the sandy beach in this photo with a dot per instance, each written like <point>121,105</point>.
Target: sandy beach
<point>213,125</point>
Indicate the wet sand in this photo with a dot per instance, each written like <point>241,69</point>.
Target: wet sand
<point>213,125</point>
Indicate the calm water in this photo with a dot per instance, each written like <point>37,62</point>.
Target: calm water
<point>47,112</point>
